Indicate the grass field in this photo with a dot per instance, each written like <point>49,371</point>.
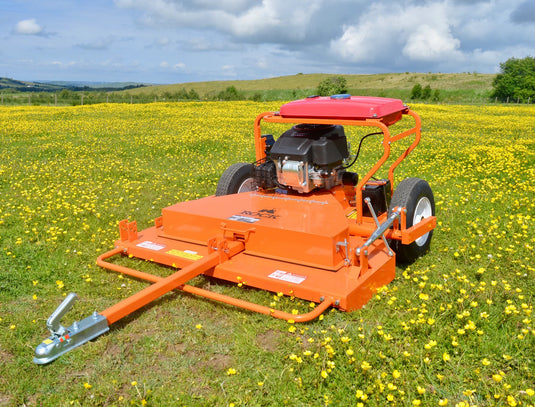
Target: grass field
<point>454,328</point>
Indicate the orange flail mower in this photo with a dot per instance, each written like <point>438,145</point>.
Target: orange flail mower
<point>296,222</point>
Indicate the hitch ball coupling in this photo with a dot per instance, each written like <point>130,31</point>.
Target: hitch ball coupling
<point>64,339</point>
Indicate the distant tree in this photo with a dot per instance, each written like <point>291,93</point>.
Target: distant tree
<point>193,95</point>
<point>332,86</point>
<point>182,94</point>
<point>230,93</point>
<point>416,92</point>
<point>516,80</point>
<point>426,92</point>
<point>66,94</point>
<point>436,95</point>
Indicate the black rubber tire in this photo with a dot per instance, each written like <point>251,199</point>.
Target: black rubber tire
<point>412,193</point>
<point>233,178</point>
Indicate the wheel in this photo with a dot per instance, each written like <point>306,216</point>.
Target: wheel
<point>236,179</point>
<point>414,194</point>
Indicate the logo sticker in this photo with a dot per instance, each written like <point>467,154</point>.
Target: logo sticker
<point>262,213</point>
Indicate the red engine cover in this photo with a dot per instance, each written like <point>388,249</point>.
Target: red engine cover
<point>345,107</point>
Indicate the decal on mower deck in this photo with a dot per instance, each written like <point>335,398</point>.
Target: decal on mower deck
<point>150,245</point>
<point>288,277</point>
<point>352,215</point>
<point>262,213</point>
<point>286,198</point>
<point>186,254</point>
<point>245,219</point>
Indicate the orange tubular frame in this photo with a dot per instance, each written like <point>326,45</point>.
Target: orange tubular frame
<point>127,306</point>
<point>275,117</point>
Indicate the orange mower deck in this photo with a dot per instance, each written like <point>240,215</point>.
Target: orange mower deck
<point>318,246</point>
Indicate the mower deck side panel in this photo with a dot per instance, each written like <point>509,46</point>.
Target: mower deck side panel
<point>349,289</point>
<point>292,228</point>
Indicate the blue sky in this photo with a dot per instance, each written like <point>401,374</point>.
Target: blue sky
<point>174,41</point>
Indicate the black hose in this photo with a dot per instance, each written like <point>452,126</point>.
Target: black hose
<point>358,151</point>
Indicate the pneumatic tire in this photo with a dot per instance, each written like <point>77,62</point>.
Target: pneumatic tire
<point>236,179</point>
<point>416,195</point>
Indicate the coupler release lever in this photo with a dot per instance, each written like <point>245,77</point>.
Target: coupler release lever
<point>64,339</point>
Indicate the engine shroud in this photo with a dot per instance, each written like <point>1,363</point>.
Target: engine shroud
<point>309,156</point>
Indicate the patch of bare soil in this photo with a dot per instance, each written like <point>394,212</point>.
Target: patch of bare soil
<point>5,400</point>
<point>268,341</point>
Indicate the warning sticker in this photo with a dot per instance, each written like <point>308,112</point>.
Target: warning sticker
<point>352,215</point>
<point>186,254</point>
<point>288,277</point>
<point>150,245</point>
<point>245,219</point>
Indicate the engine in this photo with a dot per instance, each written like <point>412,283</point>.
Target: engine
<point>306,157</point>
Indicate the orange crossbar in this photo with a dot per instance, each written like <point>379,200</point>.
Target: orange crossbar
<point>109,313</point>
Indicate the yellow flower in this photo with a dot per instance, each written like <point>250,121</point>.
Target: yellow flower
<point>198,326</point>
<point>497,378</point>
<point>87,385</point>
<point>530,392</point>
<point>396,374</point>
<point>134,383</point>
<point>446,356</point>
<point>324,374</point>
<point>443,402</point>
<point>231,371</point>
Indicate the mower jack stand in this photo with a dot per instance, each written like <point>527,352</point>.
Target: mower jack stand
<point>64,339</point>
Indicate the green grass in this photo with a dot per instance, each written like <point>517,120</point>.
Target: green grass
<point>457,324</point>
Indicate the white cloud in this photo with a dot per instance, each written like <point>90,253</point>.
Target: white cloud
<point>180,66</point>
<point>265,21</point>
<point>431,44</point>
<point>419,33</point>
<point>28,27</point>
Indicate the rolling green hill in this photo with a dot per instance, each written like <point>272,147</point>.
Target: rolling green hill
<point>457,87</point>
<point>24,86</point>
<point>376,83</point>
